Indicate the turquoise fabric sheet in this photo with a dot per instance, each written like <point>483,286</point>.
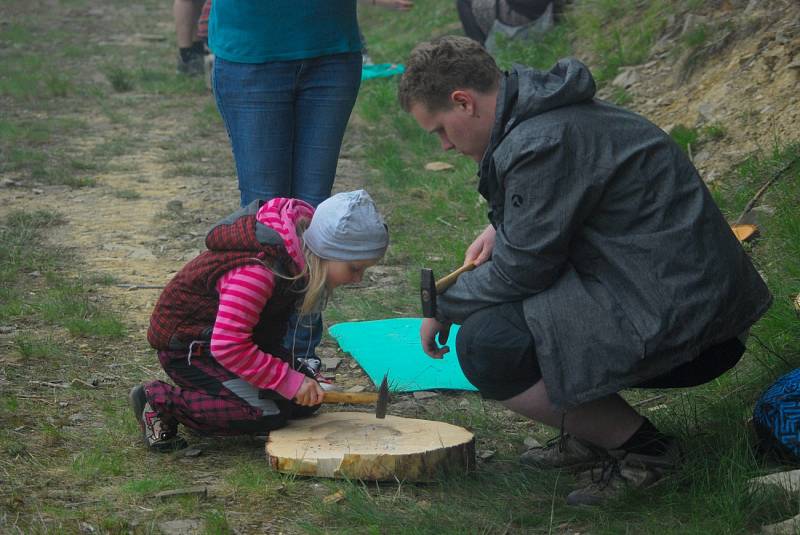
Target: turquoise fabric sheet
<point>381,70</point>
<point>392,346</point>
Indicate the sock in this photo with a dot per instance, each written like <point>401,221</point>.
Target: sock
<point>198,48</point>
<point>647,440</point>
<point>186,54</point>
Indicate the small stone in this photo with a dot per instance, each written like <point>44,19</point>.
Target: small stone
<point>764,209</point>
<point>422,394</point>
<point>7,183</point>
<point>787,527</point>
<point>85,527</point>
<point>37,191</point>
<point>485,455</point>
<point>192,452</point>
<point>200,491</point>
<point>180,527</point>
<point>407,405</point>
<point>7,329</point>
<point>531,442</point>
<point>330,364</point>
<point>357,388</point>
<point>175,205</point>
<point>78,417</point>
<point>626,78</point>
<point>318,489</point>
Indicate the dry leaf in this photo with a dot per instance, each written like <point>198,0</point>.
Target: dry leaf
<point>744,232</point>
<point>438,166</point>
<point>336,497</point>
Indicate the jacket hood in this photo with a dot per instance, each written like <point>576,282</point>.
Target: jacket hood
<point>525,93</point>
<point>567,82</point>
<point>273,230</point>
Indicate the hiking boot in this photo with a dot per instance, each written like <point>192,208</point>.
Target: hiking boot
<point>620,472</point>
<point>156,435</point>
<point>194,66</point>
<point>563,452</point>
<point>609,480</point>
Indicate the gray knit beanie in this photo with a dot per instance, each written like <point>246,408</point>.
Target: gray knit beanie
<point>347,226</point>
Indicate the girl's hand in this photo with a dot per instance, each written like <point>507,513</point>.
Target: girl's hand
<point>309,394</point>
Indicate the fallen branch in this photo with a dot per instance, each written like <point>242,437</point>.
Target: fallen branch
<point>131,287</point>
<point>648,400</point>
<point>48,383</point>
<point>752,202</point>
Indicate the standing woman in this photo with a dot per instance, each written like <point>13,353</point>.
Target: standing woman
<point>286,75</point>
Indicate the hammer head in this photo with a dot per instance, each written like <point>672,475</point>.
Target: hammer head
<point>383,398</point>
<point>427,293</point>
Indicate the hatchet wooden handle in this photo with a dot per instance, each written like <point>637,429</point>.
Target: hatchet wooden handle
<point>361,398</point>
<point>448,280</point>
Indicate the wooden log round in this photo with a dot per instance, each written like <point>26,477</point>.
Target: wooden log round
<point>357,445</point>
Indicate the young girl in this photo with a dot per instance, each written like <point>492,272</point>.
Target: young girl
<point>219,324</point>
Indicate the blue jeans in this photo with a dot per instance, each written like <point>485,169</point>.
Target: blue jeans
<point>286,121</point>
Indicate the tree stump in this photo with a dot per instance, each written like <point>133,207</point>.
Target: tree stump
<point>357,445</point>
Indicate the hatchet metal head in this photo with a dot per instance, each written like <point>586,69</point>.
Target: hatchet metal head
<point>427,293</point>
<point>383,398</point>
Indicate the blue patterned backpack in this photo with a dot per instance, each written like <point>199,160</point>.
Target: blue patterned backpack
<point>776,417</point>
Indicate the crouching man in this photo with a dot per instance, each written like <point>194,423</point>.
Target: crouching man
<point>606,264</point>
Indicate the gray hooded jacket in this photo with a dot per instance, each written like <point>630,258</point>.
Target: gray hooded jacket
<point>625,266</point>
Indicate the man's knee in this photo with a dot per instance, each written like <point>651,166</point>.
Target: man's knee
<point>496,351</point>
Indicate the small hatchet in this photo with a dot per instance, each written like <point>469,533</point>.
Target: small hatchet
<point>428,289</point>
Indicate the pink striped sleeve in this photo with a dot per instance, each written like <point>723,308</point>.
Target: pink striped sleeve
<point>243,293</point>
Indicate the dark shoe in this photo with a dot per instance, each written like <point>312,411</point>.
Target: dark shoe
<point>622,471</point>
<point>194,66</point>
<point>563,452</point>
<point>156,435</point>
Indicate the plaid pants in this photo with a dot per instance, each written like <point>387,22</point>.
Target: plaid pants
<point>212,400</point>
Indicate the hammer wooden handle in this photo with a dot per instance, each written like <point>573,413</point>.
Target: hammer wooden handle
<point>447,281</point>
<point>363,398</point>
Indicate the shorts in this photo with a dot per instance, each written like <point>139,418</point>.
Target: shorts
<point>497,354</point>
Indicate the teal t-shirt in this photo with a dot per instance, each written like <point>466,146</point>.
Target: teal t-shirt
<point>256,31</point>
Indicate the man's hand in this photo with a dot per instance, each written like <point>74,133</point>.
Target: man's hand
<point>481,249</point>
<point>427,334</point>
<point>309,394</point>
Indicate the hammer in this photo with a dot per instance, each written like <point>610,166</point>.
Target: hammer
<point>379,398</point>
<point>428,289</point>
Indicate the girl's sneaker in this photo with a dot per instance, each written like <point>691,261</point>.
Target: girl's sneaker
<point>156,435</point>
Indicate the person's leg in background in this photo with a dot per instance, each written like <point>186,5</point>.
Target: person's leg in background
<point>190,49</point>
<point>326,92</point>
<point>468,22</point>
<point>256,102</point>
<point>202,35</point>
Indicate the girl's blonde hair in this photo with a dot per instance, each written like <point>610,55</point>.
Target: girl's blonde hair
<point>316,290</point>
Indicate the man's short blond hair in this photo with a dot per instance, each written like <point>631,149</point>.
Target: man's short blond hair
<point>437,68</point>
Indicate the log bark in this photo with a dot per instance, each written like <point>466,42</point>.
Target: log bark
<point>357,445</point>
